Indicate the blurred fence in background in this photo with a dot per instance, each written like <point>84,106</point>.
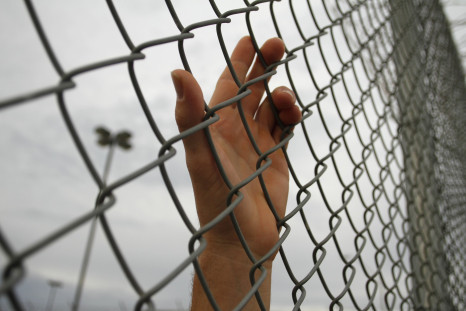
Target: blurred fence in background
<point>379,156</point>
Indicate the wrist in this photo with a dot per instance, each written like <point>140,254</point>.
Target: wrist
<point>227,269</point>
<point>231,251</point>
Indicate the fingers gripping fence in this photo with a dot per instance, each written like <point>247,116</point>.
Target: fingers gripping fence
<point>376,214</point>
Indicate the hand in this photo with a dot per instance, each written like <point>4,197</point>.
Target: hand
<point>236,152</point>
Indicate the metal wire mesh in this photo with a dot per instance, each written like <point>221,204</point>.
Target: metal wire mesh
<point>377,215</point>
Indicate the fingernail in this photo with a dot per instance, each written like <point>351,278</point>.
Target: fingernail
<point>290,92</point>
<point>178,85</point>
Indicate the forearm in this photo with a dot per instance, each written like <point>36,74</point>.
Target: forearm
<point>227,274</point>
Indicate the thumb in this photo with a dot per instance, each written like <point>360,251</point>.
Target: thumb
<point>189,109</point>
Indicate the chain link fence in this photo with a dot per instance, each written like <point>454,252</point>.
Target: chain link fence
<point>376,214</point>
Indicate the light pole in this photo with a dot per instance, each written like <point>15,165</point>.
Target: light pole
<point>105,138</point>
<point>54,285</point>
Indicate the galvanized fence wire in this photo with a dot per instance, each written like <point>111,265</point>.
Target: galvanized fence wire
<point>384,82</point>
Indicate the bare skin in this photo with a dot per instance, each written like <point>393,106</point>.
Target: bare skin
<point>224,261</point>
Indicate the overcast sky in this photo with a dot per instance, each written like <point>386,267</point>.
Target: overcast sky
<point>44,183</point>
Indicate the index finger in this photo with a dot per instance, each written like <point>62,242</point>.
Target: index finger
<point>241,59</point>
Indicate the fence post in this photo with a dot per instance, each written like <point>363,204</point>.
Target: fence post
<point>419,31</point>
